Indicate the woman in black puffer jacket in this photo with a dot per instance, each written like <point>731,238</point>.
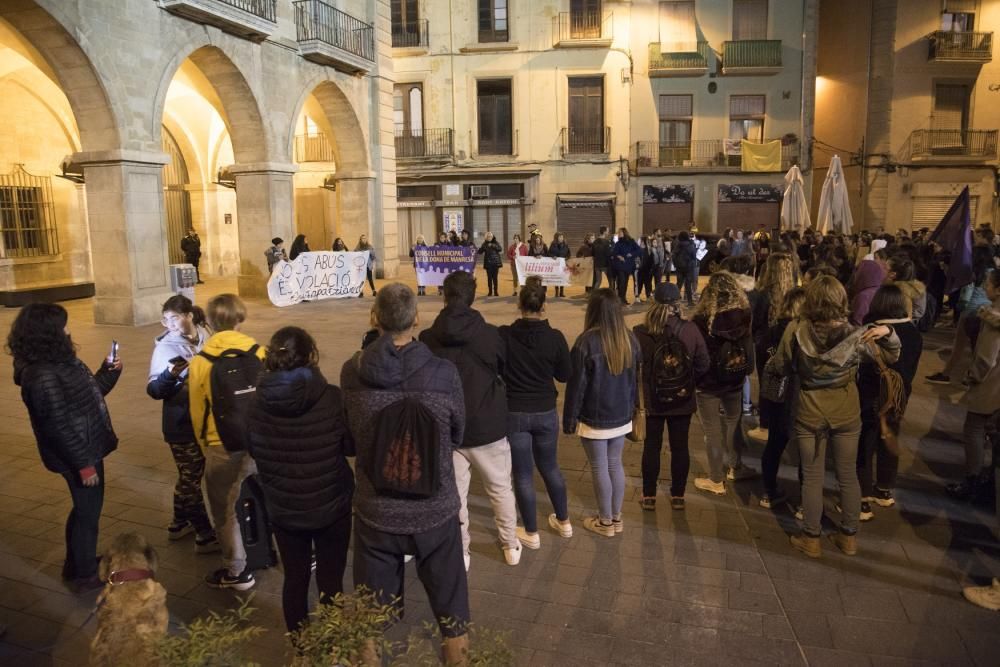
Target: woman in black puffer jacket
<point>71,424</point>
<point>299,441</point>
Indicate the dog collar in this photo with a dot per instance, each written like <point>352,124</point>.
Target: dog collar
<point>119,577</point>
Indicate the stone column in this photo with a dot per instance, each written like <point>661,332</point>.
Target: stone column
<point>264,199</point>
<point>354,196</point>
<point>127,234</point>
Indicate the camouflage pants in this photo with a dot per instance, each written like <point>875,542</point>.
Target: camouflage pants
<point>189,504</point>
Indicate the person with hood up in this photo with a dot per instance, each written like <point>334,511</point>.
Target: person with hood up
<point>559,248</point>
<point>623,261</point>
<point>664,319</point>
<point>516,249</point>
<point>536,355</point>
<point>224,470</point>
<point>824,350</point>
<point>461,335</point>
<point>723,317</point>
<point>299,440</point>
<point>684,254</point>
<point>492,253</point>
<point>868,277</point>
<point>386,529</point>
<point>168,374</point>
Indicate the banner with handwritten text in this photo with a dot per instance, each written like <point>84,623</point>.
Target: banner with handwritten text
<point>317,275</point>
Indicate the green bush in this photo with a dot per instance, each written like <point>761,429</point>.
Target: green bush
<point>216,641</point>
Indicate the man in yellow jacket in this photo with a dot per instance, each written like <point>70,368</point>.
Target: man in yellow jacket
<point>224,470</point>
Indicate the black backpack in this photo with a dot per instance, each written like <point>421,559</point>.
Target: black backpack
<point>733,362</point>
<point>234,386</point>
<point>406,450</point>
<point>671,376</point>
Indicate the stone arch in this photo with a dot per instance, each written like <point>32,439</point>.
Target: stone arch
<point>237,103</point>
<point>66,56</point>
<point>350,146</point>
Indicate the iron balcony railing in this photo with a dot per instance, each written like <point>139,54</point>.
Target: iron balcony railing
<point>318,20</point>
<point>751,54</point>
<point>975,47</point>
<point>585,140</point>
<point>980,144</point>
<point>313,148</point>
<point>410,35</point>
<point>438,142</point>
<point>582,26</point>
<point>265,9</point>
<point>665,62</point>
<point>708,154</point>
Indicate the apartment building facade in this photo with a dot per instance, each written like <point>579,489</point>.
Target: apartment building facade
<point>911,89</point>
<point>571,114</point>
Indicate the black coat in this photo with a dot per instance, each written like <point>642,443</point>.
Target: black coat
<point>461,335</point>
<point>191,247</point>
<point>492,253</point>
<point>559,250</point>
<point>536,354</point>
<point>728,326</point>
<point>68,413</point>
<point>299,439</point>
<point>593,395</point>
<point>602,253</point>
<point>911,346</point>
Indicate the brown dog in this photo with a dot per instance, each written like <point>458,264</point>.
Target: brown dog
<point>132,608</point>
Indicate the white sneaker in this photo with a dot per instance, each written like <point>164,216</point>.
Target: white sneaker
<point>468,561</point>
<point>530,540</point>
<point>705,484</point>
<point>564,529</point>
<point>987,597</point>
<point>512,554</point>
<point>408,557</point>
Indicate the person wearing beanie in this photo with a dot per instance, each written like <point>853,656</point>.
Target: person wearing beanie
<point>275,254</point>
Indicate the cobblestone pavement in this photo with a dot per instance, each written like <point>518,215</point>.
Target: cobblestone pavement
<point>715,584</point>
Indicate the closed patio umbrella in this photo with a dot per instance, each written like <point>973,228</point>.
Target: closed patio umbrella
<point>834,204</point>
<point>794,209</point>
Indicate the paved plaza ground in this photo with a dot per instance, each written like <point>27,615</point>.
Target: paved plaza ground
<point>715,584</point>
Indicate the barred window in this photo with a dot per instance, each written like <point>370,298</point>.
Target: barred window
<point>27,216</point>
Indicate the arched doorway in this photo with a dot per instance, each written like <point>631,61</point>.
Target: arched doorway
<point>176,198</point>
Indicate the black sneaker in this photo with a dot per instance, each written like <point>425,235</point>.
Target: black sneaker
<point>222,579</point>
<point>866,511</point>
<point>648,503</point>
<point>677,502</point>
<point>771,501</point>
<point>179,529</point>
<point>938,378</point>
<point>884,497</point>
<point>206,544</point>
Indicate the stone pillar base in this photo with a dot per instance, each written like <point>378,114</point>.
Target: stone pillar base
<point>252,286</point>
<point>134,311</point>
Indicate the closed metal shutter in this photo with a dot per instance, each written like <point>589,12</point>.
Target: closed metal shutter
<point>929,211</point>
<point>576,218</point>
<point>674,217</point>
<point>748,216</point>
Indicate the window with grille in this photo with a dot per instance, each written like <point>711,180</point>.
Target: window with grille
<point>27,216</point>
<point>493,26</point>
<point>749,20</point>
<point>675,119</point>
<point>746,117</point>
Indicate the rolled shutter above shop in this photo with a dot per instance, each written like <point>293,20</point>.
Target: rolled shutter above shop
<point>579,215</point>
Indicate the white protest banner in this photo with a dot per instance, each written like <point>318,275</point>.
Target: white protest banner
<point>551,270</point>
<point>317,275</point>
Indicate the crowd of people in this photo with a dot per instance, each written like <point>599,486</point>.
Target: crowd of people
<point>831,327</point>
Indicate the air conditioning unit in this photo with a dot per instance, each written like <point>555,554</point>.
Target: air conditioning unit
<point>480,191</point>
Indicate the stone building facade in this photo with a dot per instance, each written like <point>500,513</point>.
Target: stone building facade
<point>265,102</point>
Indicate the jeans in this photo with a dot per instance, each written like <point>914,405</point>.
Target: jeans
<point>224,475</point>
<point>747,401</point>
<point>871,446</point>
<point>719,431</point>
<point>687,280</point>
<point>295,548</point>
<point>621,281</point>
<point>533,438</point>
<point>492,282</point>
<point>974,431</point>
<point>680,459</point>
<point>189,502</point>
<point>492,462</point>
<point>82,524</point>
<point>812,448</point>
<point>606,469</point>
<point>371,281</point>
<point>600,272</point>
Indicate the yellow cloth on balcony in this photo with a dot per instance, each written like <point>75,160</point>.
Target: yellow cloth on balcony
<point>761,157</point>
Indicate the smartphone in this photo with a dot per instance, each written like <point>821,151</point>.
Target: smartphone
<point>178,360</point>
<point>114,351</point>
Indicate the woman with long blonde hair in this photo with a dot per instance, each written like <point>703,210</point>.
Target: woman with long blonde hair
<point>777,279</point>
<point>600,398</point>
<point>723,316</point>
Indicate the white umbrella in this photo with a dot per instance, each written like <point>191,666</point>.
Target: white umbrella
<point>834,204</point>
<point>794,208</point>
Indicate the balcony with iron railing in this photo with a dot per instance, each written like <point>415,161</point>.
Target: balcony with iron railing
<point>582,30</point>
<point>426,143</point>
<point>966,47</point>
<point>581,141</point>
<point>700,155</point>
<point>328,36</point>
<point>751,57</point>
<point>313,148</point>
<point>677,63</point>
<point>253,19</point>
<point>410,36</point>
<point>953,145</point>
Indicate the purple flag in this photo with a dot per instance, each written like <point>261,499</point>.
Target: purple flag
<point>954,234</point>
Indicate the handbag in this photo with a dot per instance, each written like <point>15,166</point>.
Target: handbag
<point>892,401</point>
<point>774,385</point>
<point>638,432</point>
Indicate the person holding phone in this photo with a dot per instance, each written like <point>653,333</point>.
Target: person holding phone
<point>186,333</point>
<point>71,422</point>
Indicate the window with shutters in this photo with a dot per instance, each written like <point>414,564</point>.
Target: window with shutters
<point>957,21</point>
<point>405,28</point>
<point>585,19</point>
<point>746,117</point>
<point>675,129</point>
<point>678,30</point>
<point>749,20</point>
<point>493,21</point>
<point>493,98</point>
<point>951,106</point>
<point>585,132</point>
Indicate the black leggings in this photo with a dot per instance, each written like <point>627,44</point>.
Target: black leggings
<point>492,281</point>
<point>371,280</point>
<point>680,458</point>
<point>296,548</point>
<point>82,524</point>
<point>777,441</point>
